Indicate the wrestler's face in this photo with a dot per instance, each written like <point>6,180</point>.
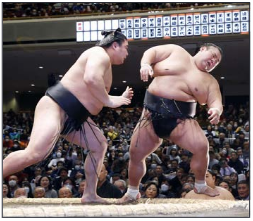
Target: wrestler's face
<point>121,52</point>
<point>211,58</point>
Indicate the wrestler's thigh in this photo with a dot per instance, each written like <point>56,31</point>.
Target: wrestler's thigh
<point>91,134</point>
<point>48,120</point>
<point>144,140</point>
<point>190,136</point>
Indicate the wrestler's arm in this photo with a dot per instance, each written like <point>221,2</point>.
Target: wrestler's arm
<point>96,67</point>
<point>152,56</point>
<point>214,101</point>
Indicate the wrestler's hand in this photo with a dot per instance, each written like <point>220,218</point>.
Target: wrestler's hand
<point>117,101</point>
<point>128,93</point>
<point>145,71</point>
<point>214,115</point>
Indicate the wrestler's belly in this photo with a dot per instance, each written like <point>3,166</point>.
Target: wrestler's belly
<point>170,90</point>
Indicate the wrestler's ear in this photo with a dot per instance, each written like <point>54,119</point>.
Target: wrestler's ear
<point>115,45</point>
<point>203,48</point>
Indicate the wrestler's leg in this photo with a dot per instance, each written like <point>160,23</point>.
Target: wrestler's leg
<point>45,132</point>
<point>97,145</point>
<point>143,142</point>
<point>189,135</point>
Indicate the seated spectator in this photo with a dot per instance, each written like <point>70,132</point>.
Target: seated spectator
<point>112,134</point>
<point>46,183</point>
<point>77,173</point>
<point>219,142</point>
<point>172,166</point>
<point>65,192</point>
<point>185,161</point>
<point>186,188</point>
<point>212,159</point>
<point>209,131</point>
<point>28,188</point>
<point>119,163</point>
<point>226,186</point>
<point>5,191</point>
<point>225,168</point>
<point>15,134</point>
<point>57,182</point>
<point>104,188</point>
<point>20,193</point>
<point>242,158</point>
<point>53,162</point>
<point>70,183</point>
<point>54,171</point>
<point>166,190</point>
<point>124,175</point>
<point>243,190</point>
<point>13,184</point>
<point>39,192</point>
<point>236,163</point>
<point>7,142</point>
<point>210,180</point>
<point>176,182</point>
<point>233,183</point>
<point>159,173</point>
<point>121,184</point>
<point>81,188</point>
<point>190,179</point>
<point>152,191</point>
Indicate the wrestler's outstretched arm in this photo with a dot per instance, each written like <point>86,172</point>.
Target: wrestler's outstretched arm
<point>214,102</point>
<point>96,67</point>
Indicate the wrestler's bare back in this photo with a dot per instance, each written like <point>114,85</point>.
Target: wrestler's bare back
<point>73,80</point>
<point>177,77</point>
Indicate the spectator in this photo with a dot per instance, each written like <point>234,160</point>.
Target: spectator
<point>121,184</point>
<point>226,186</point>
<point>7,142</point>
<point>5,191</point>
<point>13,184</point>
<point>63,174</point>
<point>70,183</point>
<point>233,183</point>
<point>28,188</point>
<point>173,154</point>
<point>243,190</point>
<point>104,188</point>
<point>46,183</point>
<point>77,173</point>
<point>20,193</point>
<point>176,182</point>
<point>159,173</point>
<point>152,191</point>
<point>65,192</point>
<point>53,162</point>
<point>39,192</point>
<point>81,188</point>
<point>225,168</point>
<point>235,163</point>
<point>209,131</point>
<point>212,159</point>
<point>186,188</point>
<point>242,158</point>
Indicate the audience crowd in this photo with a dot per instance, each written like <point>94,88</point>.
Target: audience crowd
<point>168,172</point>
<point>43,10</point>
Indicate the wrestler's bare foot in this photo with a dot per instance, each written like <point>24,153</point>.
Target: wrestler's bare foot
<point>128,199</point>
<point>208,191</point>
<point>87,199</point>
